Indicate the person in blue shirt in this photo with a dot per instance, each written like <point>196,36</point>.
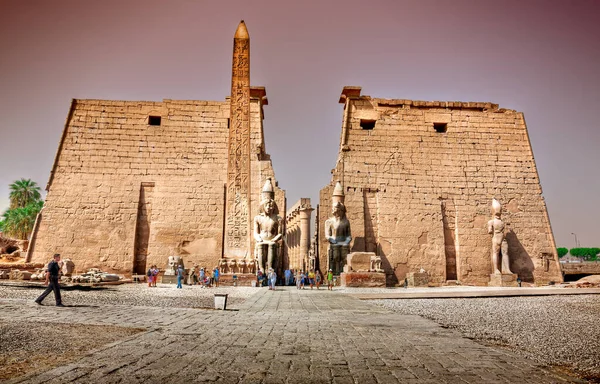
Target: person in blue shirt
<point>216,276</point>
<point>180,275</point>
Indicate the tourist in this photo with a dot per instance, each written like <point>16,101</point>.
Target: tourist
<point>330,280</point>
<point>311,278</point>
<point>52,282</point>
<point>201,276</point>
<point>269,274</point>
<point>180,276</point>
<point>149,276</point>
<point>208,278</point>
<point>155,272</point>
<point>216,276</point>
<point>259,277</point>
<point>194,272</point>
<point>298,279</point>
<point>302,279</point>
<point>273,279</point>
<point>287,274</point>
<point>318,278</point>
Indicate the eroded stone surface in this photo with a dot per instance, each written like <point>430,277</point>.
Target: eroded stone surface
<point>134,182</point>
<point>418,178</point>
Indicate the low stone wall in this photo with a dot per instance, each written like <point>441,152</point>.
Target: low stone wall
<point>585,268</point>
<point>363,279</point>
<point>243,280</point>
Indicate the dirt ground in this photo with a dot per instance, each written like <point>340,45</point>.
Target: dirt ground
<point>34,347</point>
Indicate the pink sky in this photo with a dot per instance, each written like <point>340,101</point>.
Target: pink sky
<point>538,57</point>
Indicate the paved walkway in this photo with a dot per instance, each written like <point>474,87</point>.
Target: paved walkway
<point>286,336</point>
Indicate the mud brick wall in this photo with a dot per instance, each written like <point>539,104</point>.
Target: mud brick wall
<point>422,198</point>
<point>121,188</point>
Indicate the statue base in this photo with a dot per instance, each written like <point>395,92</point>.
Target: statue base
<point>170,279</point>
<point>503,280</point>
<point>362,279</point>
<point>417,279</point>
<point>240,280</point>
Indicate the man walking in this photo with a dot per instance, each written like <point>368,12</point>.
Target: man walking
<point>180,276</point>
<point>52,282</point>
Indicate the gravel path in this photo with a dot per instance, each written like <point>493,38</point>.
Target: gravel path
<point>164,295</point>
<point>553,330</point>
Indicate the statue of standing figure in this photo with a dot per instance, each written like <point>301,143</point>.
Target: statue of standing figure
<point>500,259</point>
<point>267,230</point>
<point>337,232</point>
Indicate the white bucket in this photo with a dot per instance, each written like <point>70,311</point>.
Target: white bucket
<point>220,301</point>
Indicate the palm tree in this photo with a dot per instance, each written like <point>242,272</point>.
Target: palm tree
<point>19,222</point>
<point>23,192</point>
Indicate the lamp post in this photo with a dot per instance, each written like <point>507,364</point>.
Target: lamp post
<point>576,242</point>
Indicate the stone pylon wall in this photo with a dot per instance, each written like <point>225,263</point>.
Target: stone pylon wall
<point>422,198</point>
<point>113,171</point>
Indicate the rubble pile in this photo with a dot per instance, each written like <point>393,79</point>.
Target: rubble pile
<point>12,249</point>
<point>93,275</point>
<point>592,281</point>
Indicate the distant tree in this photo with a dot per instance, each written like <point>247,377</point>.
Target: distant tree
<point>588,254</point>
<point>23,192</point>
<point>18,222</point>
<point>562,251</point>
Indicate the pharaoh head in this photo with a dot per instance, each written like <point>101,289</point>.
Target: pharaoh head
<point>268,205</point>
<point>338,210</point>
<point>496,208</point>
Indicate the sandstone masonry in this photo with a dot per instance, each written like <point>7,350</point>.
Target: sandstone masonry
<point>419,178</point>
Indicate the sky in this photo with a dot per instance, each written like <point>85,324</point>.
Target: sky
<point>538,57</point>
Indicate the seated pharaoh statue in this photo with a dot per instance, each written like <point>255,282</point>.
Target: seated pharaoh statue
<point>267,230</point>
<point>337,232</point>
<point>500,260</point>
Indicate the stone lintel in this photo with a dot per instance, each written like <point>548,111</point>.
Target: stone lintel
<point>479,106</point>
<point>349,91</point>
<point>301,205</point>
<point>259,93</point>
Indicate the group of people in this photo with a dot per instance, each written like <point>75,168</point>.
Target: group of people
<point>152,275</point>
<point>270,278</point>
<point>311,278</point>
<point>204,277</point>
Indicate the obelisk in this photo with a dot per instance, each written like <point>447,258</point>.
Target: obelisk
<point>237,210</point>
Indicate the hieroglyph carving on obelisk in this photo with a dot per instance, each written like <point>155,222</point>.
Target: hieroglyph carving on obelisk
<point>237,219</point>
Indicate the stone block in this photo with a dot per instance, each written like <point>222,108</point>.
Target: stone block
<point>503,280</point>
<point>168,279</point>
<point>358,262</point>
<point>242,279</point>
<point>362,279</point>
<point>20,275</point>
<point>417,279</point>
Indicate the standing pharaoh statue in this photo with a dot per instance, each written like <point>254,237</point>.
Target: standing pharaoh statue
<point>267,229</point>
<point>337,232</point>
<point>500,260</point>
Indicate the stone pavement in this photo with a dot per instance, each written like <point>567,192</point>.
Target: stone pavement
<point>286,336</point>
